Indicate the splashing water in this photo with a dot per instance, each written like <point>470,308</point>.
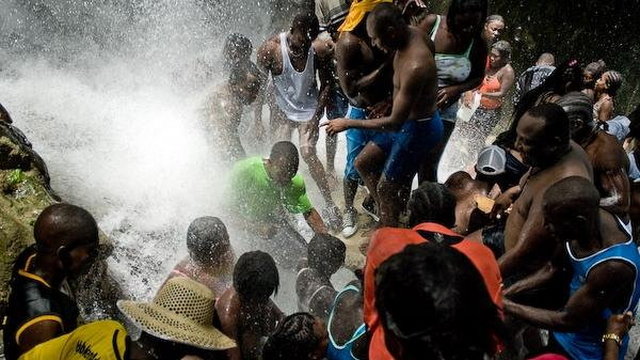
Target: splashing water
<point>109,93</point>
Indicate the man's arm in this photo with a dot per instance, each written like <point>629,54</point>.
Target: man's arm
<point>324,57</point>
<point>41,331</point>
<point>349,62</point>
<point>412,81</point>
<point>533,248</point>
<point>540,277</point>
<point>613,180</point>
<point>603,286</point>
<point>315,221</point>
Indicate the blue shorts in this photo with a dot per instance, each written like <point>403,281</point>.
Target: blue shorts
<point>357,139</point>
<point>407,148</point>
<point>337,106</point>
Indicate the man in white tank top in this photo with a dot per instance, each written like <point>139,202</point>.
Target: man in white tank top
<point>293,58</point>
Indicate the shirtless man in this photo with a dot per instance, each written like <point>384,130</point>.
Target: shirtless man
<point>609,160</point>
<point>365,77</point>
<point>543,140</point>
<point>224,110</point>
<point>605,264</point>
<point>293,58</point>
<point>414,119</point>
<point>245,312</point>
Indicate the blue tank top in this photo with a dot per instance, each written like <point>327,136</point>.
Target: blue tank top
<point>586,344</point>
<point>342,352</point>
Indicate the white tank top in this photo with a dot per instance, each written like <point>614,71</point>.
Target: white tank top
<point>452,68</point>
<point>296,92</point>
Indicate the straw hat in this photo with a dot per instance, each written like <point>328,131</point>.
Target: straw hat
<point>181,312</point>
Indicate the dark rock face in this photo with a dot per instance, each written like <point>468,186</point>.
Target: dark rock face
<point>24,193</point>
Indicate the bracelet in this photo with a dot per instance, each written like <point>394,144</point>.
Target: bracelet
<point>613,337</point>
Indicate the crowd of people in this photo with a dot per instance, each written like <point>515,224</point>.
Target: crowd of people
<point>527,252</point>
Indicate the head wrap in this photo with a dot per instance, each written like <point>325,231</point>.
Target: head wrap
<point>357,11</point>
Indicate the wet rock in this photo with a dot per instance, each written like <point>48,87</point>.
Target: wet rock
<point>24,193</point>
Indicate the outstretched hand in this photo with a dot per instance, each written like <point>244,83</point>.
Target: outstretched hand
<point>335,126</point>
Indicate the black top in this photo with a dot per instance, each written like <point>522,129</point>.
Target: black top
<point>33,300</point>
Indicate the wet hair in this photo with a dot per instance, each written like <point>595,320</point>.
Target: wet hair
<point>458,7</point>
<point>574,192</point>
<point>494,17</point>
<point>64,225</point>
<point>255,276</point>
<point>293,338</point>
<point>504,49</point>
<point>565,78</point>
<point>547,58</point>
<point>306,22</point>
<point>207,240</point>
<point>238,44</point>
<point>385,15</point>
<point>287,151</point>
<point>432,202</point>
<point>578,106</point>
<point>596,68</point>
<point>433,300</point>
<point>326,253</point>
<point>613,81</point>
<point>555,119</point>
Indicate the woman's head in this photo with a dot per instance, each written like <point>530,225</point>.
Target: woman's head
<point>500,54</point>
<point>465,17</point>
<point>208,242</point>
<point>256,277</point>
<point>609,83</point>
<point>299,336</point>
<point>493,27</point>
<point>433,304</point>
<point>592,72</point>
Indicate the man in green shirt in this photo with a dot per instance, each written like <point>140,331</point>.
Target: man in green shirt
<point>262,188</point>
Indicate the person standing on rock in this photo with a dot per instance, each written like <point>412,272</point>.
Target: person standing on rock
<point>40,304</point>
<point>293,59</point>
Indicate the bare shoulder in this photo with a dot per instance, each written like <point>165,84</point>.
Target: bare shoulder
<point>603,274</point>
<point>427,23</point>
<point>323,48</point>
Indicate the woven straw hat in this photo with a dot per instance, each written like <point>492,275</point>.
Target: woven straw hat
<point>181,312</point>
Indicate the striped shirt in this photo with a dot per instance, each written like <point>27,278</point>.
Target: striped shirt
<point>331,13</point>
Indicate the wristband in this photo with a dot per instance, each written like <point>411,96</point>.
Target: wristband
<point>613,337</point>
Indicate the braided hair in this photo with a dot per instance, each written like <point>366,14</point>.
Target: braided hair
<point>432,202</point>
<point>293,338</point>
<point>613,79</point>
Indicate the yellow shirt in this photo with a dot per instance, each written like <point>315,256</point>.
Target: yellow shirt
<point>99,340</point>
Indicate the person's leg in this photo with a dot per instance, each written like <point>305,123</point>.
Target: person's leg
<point>331,144</point>
<point>369,164</point>
<point>335,109</point>
<point>308,142</point>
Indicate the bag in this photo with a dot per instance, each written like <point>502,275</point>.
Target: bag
<point>465,113</point>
